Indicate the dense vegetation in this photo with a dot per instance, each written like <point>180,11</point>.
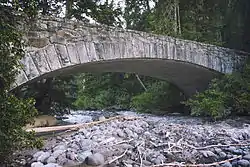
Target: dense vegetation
<point>224,23</point>
<point>229,95</point>
<point>14,112</point>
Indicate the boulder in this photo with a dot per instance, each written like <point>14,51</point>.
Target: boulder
<point>95,159</point>
<point>37,164</point>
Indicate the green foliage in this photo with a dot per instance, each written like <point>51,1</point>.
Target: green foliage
<point>104,13</point>
<point>14,112</point>
<point>226,96</point>
<point>98,91</point>
<point>14,115</point>
<point>159,97</point>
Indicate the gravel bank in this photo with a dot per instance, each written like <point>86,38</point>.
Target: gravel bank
<point>147,141</point>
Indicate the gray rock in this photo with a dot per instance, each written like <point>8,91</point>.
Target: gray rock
<point>59,138</point>
<point>52,165</point>
<point>147,134</point>
<point>222,155</point>
<point>238,151</point>
<point>51,159</point>
<point>227,164</point>
<point>37,164</point>
<point>86,144</point>
<point>74,146</point>
<point>71,155</point>
<point>146,163</point>
<point>247,157</point>
<point>129,132</point>
<point>60,147</point>
<point>37,154</point>
<point>101,118</point>
<point>217,150</point>
<point>234,164</point>
<point>244,152</point>
<point>95,159</point>
<point>244,163</point>
<point>157,161</point>
<point>120,133</point>
<point>43,157</point>
<point>229,156</point>
<point>57,153</point>
<point>71,163</point>
<point>231,148</point>
<point>62,159</point>
<point>208,154</point>
<point>83,155</point>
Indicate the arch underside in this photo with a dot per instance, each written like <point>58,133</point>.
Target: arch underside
<point>186,76</point>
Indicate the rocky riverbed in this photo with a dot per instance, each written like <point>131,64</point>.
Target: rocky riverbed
<point>146,140</point>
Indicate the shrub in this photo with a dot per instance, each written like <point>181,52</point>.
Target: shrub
<point>229,95</point>
<point>159,97</point>
<point>14,115</point>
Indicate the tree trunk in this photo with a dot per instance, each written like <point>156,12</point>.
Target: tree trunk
<point>69,7</point>
<point>138,78</point>
<point>178,17</point>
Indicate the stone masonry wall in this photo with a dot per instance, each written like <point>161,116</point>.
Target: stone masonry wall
<point>57,43</point>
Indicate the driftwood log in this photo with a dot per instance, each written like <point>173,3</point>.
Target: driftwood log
<point>77,126</point>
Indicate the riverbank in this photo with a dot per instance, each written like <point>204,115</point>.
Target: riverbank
<point>147,140</point>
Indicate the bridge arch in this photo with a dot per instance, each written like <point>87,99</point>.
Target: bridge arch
<point>57,46</point>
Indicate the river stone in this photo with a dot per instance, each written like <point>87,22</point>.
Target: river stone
<point>235,164</point>
<point>71,155</point>
<point>43,157</point>
<point>51,159</point>
<point>37,154</point>
<point>102,118</point>
<point>146,163</point>
<point>222,155</point>
<point>217,150</point>
<point>238,151</point>
<point>95,159</point>
<point>231,148</point>
<point>60,147</point>
<point>244,163</point>
<point>247,157</point>
<point>71,163</point>
<point>74,146</point>
<point>227,164</point>
<point>129,132</point>
<point>208,154</point>
<point>86,144</point>
<point>62,159</point>
<point>37,164</point>
<point>57,153</point>
<point>120,133</point>
<point>52,165</point>
<point>148,134</point>
<point>83,155</point>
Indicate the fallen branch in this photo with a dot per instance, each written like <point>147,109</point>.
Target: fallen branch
<point>197,165</point>
<point>118,157</point>
<point>212,146</point>
<point>140,156</point>
<point>121,142</point>
<point>76,127</point>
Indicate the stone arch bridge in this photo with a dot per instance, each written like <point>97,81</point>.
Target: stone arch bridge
<point>59,47</point>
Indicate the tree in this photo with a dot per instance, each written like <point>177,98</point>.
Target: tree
<point>14,112</point>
